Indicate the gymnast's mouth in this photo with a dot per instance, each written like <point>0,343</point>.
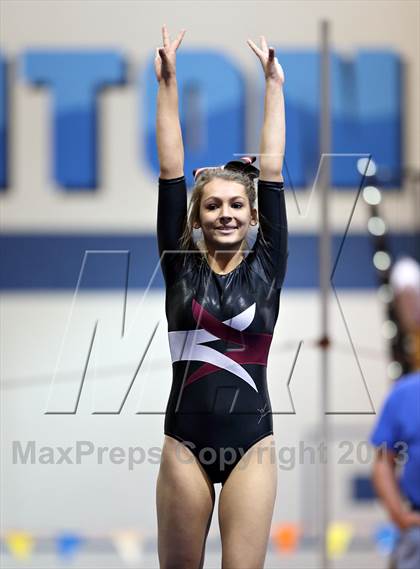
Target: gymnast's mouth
<point>222,227</point>
<point>226,230</point>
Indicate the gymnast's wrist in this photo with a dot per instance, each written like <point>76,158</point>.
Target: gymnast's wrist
<point>169,81</point>
<point>273,83</point>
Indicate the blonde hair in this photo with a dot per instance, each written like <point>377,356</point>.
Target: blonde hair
<point>187,240</point>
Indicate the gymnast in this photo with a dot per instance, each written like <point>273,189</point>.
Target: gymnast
<point>222,303</point>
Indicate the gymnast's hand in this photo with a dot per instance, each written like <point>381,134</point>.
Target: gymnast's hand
<point>166,56</point>
<point>273,71</point>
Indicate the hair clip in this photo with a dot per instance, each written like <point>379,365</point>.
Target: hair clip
<point>243,165</point>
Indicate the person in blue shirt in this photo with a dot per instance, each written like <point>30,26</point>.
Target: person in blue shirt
<point>396,469</point>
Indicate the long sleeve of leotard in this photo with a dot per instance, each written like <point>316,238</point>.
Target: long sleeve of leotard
<point>171,219</point>
<point>271,256</point>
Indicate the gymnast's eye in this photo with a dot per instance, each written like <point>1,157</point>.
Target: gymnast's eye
<point>238,205</point>
<point>211,206</point>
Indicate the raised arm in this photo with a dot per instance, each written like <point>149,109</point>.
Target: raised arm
<point>273,135</point>
<point>272,251</point>
<point>168,128</point>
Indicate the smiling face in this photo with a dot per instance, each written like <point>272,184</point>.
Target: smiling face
<point>225,214</point>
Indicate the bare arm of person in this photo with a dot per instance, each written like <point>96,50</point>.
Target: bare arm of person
<point>386,485</point>
<point>273,135</point>
<point>168,128</point>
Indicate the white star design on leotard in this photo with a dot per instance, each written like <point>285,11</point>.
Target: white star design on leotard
<point>185,345</point>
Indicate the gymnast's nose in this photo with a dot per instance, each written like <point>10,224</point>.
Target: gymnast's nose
<point>225,219</point>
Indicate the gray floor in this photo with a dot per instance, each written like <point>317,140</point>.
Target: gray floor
<point>309,560</point>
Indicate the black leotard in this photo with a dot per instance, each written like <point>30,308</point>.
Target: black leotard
<point>220,329</point>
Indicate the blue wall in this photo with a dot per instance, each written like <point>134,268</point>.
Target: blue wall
<point>366,106</point>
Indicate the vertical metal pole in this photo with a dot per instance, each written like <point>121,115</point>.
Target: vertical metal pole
<point>324,273</point>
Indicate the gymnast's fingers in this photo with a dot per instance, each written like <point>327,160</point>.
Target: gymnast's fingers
<point>255,48</point>
<point>179,39</point>
<point>264,44</point>
<point>165,36</point>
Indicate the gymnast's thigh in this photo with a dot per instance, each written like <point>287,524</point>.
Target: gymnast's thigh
<point>246,505</point>
<point>185,502</point>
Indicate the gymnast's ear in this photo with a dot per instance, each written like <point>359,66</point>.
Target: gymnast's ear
<point>254,217</point>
